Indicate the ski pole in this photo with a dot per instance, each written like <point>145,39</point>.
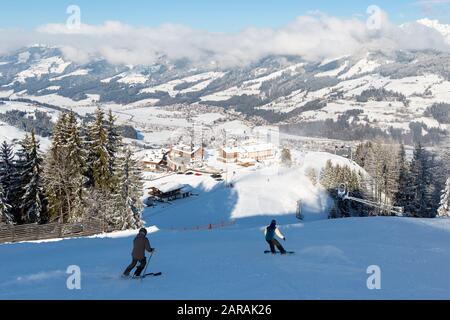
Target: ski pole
<point>146,265</point>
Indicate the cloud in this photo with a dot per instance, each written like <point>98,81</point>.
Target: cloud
<point>315,36</point>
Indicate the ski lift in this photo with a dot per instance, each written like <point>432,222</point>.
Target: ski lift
<point>342,190</point>
<point>343,194</point>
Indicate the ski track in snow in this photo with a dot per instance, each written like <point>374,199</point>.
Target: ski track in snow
<point>330,263</point>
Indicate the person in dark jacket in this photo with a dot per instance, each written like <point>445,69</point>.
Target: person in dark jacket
<point>270,232</point>
<point>140,245</point>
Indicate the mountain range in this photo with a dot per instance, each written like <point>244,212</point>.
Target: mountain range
<point>387,90</point>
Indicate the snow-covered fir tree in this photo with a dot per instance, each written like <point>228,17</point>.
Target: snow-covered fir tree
<point>444,205</point>
<point>6,215</point>
<point>98,159</point>
<point>114,141</point>
<point>405,192</point>
<point>33,200</point>
<point>327,177</point>
<point>7,176</point>
<point>128,202</point>
<point>420,174</point>
<point>63,171</point>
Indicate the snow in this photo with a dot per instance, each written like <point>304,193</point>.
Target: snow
<point>145,116</point>
<point>29,108</point>
<point>235,127</point>
<point>58,100</point>
<point>414,85</point>
<point>53,88</point>
<point>201,81</point>
<point>79,72</point>
<point>44,66</point>
<point>154,156</point>
<point>330,263</point>
<point>169,186</point>
<point>12,134</point>
<point>334,72</point>
<point>6,94</point>
<point>208,118</point>
<point>23,57</point>
<point>252,87</point>
<point>133,78</point>
<point>364,65</point>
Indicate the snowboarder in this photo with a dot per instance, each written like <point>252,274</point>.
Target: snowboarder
<point>140,245</point>
<point>270,232</point>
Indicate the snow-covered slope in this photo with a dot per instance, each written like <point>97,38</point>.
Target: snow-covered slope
<point>330,263</point>
<point>228,262</point>
<point>53,65</point>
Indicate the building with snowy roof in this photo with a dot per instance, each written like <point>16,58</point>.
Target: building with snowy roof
<point>246,153</point>
<point>183,157</point>
<point>154,160</point>
<point>168,191</point>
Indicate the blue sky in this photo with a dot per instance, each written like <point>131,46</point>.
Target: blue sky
<point>212,15</point>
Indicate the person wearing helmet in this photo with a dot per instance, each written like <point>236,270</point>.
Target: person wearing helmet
<point>270,232</point>
<point>140,245</point>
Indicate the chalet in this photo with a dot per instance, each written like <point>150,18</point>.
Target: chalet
<point>183,157</point>
<point>154,160</point>
<point>246,153</point>
<point>169,191</point>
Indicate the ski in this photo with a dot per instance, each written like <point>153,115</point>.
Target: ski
<point>151,274</point>
<point>154,274</point>
<point>287,252</point>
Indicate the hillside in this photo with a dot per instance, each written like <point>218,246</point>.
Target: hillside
<point>385,90</point>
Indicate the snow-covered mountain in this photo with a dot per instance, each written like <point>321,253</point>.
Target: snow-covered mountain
<point>383,90</point>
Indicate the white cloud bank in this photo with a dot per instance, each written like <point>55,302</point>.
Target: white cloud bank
<point>314,37</point>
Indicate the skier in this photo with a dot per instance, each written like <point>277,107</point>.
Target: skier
<point>140,245</point>
<point>270,232</point>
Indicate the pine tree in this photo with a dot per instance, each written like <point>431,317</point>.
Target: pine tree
<point>64,169</point>
<point>7,175</point>
<point>19,179</point>
<point>33,199</point>
<point>312,175</point>
<point>444,208</point>
<point>114,141</point>
<point>420,182</point>
<point>327,176</point>
<point>98,156</point>
<point>5,209</point>
<point>405,192</point>
<point>286,158</point>
<point>128,197</point>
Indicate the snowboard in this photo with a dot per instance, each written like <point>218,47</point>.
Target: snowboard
<point>287,252</point>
